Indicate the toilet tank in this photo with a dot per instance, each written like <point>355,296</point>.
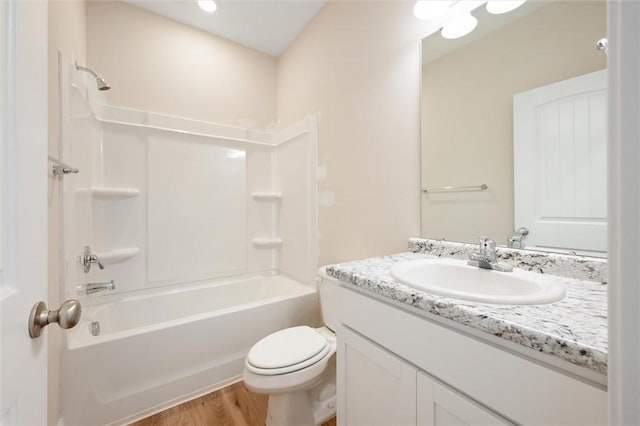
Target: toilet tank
<point>328,290</point>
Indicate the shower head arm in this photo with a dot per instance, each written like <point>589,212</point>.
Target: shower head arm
<point>89,70</point>
<point>102,85</point>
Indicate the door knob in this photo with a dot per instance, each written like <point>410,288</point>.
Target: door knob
<point>67,316</point>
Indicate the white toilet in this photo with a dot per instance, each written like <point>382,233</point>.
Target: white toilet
<point>296,367</point>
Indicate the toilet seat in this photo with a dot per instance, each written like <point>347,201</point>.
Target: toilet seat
<point>286,351</point>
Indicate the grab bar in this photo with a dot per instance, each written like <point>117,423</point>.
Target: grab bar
<point>60,168</point>
<point>481,187</point>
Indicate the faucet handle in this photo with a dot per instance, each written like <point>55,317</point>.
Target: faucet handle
<point>516,240</point>
<point>487,244</point>
<point>94,259</point>
<point>87,258</point>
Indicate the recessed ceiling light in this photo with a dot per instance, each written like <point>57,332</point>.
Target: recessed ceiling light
<point>430,9</point>
<point>459,27</point>
<point>498,7</point>
<point>208,5</point>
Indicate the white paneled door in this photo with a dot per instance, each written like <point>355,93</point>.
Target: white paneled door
<point>560,174</point>
<point>23,211</point>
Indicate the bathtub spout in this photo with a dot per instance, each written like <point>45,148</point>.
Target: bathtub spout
<point>91,288</point>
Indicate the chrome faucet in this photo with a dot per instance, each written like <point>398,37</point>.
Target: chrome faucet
<point>516,240</point>
<point>487,258</point>
<point>91,288</point>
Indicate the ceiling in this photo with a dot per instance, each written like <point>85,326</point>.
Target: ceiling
<point>268,26</point>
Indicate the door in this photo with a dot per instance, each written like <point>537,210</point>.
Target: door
<point>560,173</point>
<point>375,387</point>
<point>23,224</point>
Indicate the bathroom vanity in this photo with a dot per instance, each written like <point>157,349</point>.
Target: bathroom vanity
<point>406,357</point>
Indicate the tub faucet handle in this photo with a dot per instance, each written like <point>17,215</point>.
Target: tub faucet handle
<point>87,258</point>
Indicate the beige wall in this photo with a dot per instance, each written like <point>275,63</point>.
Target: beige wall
<point>357,65</point>
<point>159,65</point>
<point>67,35</point>
<point>468,106</point>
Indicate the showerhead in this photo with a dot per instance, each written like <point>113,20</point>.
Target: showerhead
<point>102,85</point>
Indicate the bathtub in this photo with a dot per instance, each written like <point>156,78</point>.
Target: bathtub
<point>157,350</point>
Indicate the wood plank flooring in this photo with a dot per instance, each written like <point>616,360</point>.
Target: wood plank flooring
<point>234,405</point>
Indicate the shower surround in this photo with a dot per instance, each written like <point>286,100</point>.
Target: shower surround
<point>209,233</point>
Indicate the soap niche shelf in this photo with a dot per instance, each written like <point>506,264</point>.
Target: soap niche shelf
<point>109,193</point>
<point>117,255</point>
<point>267,243</point>
<point>266,196</point>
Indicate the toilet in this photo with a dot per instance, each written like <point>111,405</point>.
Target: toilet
<point>296,367</point>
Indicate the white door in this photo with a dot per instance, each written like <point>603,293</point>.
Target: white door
<point>560,174</point>
<point>23,224</point>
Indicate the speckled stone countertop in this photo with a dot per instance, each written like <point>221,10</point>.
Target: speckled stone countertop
<point>573,329</point>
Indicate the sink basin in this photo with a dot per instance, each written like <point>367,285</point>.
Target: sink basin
<point>455,279</point>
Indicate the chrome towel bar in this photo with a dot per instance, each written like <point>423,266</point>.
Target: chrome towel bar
<point>481,187</point>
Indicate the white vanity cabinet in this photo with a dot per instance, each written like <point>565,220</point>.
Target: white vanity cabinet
<point>379,388</point>
<point>397,367</point>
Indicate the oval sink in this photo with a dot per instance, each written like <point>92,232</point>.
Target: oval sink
<point>455,279</point>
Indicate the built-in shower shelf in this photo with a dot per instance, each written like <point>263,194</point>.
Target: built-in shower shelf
<point>107,193</point>
<point>267,243</point>
<point>117,255</point>
<point>266,196</point>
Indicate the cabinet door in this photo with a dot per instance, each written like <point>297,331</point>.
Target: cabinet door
<point>440,406</point>
<point>374,386</point>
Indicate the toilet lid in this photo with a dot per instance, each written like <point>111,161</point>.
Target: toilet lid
<point>287,347</point>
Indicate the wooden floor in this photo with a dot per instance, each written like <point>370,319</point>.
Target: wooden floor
<point>231,406</point>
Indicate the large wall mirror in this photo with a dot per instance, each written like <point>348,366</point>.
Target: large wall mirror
<point>519,106</point>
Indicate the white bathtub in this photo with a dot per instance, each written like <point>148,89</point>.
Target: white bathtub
<point>160,349</point>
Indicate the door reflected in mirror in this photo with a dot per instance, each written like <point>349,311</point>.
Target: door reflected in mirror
<point>469,131</point>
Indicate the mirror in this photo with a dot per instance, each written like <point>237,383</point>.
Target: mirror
<point>469,131</point>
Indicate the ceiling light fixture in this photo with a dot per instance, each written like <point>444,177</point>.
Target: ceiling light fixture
<point>430,9</point>
<point>460,26</point>
<point>498,7</point>
<point>208,5</point>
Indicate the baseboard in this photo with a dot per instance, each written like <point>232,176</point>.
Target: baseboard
<point>172,403</point>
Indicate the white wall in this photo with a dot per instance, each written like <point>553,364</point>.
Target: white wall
<point>158,65</point>
<point>624,213</point>
<point>357,65</point>
<point>67,34</point>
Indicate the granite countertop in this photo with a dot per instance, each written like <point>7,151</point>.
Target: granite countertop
<point>573,329</point>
